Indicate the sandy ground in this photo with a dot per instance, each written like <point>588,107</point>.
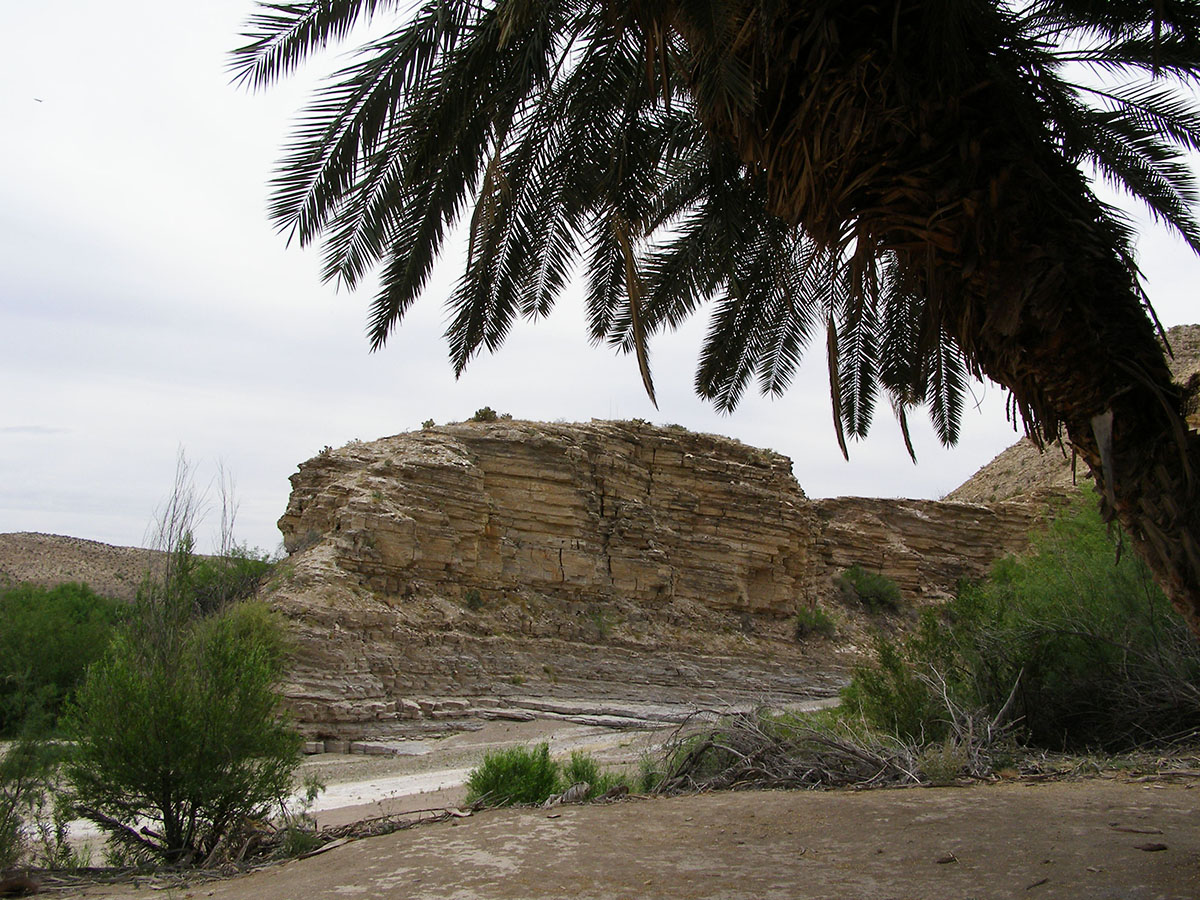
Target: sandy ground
<point>1063,840</point>
<point>1102,838</point>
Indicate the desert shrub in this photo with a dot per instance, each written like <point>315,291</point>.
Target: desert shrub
<point>178,736</point>
<point>875,591</point>
<point>1082,641</point>
<point>486,414</point>
<point>892,696</point>
<point>583,767</point>
<point>814,621</point>
<point>473,599</point>
<point>48,639</point>
<point>514,776</point>
<point>216,581</point>
<point>26,765</point>
<point>427,424</point>
<point>943,762</point>
<point>650,773</point>
<point>178,726</point>
<point>520,775</point>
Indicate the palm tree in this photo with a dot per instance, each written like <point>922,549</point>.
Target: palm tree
<point>906,176</point>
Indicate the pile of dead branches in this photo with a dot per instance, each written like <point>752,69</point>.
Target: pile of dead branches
<point>757,750</point>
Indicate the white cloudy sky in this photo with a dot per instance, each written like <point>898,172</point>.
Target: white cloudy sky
<point>146,305</point>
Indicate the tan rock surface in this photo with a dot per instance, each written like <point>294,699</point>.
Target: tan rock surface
<point>594,564</point>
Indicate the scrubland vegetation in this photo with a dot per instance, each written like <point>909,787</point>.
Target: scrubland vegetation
<point>158,720</point>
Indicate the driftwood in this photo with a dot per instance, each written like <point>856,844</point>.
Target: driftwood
<point>755,750</point>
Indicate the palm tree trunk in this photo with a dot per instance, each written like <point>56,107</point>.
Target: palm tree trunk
<point>862,129</point>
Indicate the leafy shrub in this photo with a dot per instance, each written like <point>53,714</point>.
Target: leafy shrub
<point>650,774</point>
<point>178,737</point>
<point>1087,647</point>
<point>216,581</point>
<point>427,424</point>
<point>892,696</point>
<point>514,775</point>
<point>486,414</point>
<point>812,620</point>
<point>583,768</point>
<point>875,591</point>
<point>523,776</point>
<point>473,599</point>
<point>178,726</point>
<point>26,766</point>
<point>48,639</point>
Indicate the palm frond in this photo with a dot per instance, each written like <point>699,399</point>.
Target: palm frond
<point>282,35</point>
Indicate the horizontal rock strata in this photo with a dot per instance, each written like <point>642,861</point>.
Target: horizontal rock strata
<point>597,563</point>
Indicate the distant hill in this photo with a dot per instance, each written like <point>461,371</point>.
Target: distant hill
<point>1022,471</point>
<point>50,559</point>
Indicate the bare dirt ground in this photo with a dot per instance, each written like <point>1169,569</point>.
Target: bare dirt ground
<point>1088,839</point>
<point>1102,837</point>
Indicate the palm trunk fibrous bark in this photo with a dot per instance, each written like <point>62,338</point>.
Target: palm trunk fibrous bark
<point>870,141</point>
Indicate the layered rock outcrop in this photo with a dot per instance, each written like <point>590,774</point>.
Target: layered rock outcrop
<point>587,512</point>
<point>609,562</point>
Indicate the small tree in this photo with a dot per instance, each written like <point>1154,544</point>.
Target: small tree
<point>178,735</point>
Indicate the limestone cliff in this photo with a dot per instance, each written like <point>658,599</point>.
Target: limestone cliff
<point>483,564</point>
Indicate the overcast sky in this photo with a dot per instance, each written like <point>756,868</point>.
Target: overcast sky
<point>146,305</point>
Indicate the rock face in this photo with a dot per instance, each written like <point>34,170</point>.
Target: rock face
<point>609,562</point>
<point>586,512</point>
<point>925,546</point>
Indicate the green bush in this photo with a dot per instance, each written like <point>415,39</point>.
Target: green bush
<point>1097,656</point>
<point>48,639</point>
<point>875,591</point>
<point>891,695</point>
<point>583,768</point>
<point>216,581</point>
<point>514,776</point>
<point>524,776</point>
<point>486,414</point>
<point>26,766</point>
<point>178,727</point>
<point>814,621</point>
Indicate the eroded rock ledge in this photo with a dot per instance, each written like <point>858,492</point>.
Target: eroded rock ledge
<point>598,562</point>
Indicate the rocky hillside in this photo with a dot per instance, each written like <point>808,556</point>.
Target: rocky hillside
<point>1022,471</point>
<point>51,559</point>
<point>481,565</point>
